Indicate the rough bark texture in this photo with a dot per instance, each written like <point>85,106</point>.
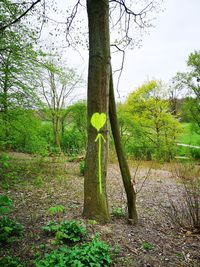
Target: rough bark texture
<point>95,202</point>
<point>126,176</point>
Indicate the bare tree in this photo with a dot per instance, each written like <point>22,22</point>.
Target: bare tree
<point>57,85</point>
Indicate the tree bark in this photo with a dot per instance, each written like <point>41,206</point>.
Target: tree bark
<point>55,121</point>
<point>95,201</point>
<point>126,176</point>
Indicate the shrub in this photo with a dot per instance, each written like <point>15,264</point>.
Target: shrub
<point>10,230</point>
<point>10,262</point>
<point>66,231</point>
<point>95,253</point>
<point>118,212</point>
<point>6,204</point>
<point>73,142</point>
<point>186,211</point>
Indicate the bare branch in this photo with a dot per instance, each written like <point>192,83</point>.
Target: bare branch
<point>21,16</point>
<point>122,65</point>
<point>71,18</point>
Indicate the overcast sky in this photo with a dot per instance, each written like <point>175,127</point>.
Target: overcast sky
<point>164,50</point>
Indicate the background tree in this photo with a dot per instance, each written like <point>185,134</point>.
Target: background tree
<point>74,128</point>
<point>154,130</point>
<point>57,84</point>
<point>18,61</point>
<point>190,82</point>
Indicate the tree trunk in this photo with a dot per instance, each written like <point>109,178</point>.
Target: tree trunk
<point>126,176</point>
<point>55,121</point>
<point>95,200</point>
<point>5,105</point>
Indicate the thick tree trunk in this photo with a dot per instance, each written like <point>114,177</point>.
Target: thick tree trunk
<point>126,176</point>
<point>95,199</point>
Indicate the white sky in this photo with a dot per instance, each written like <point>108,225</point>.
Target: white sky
<point>164,50</point>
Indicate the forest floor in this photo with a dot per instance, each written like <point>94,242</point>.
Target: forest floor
<point>36,184</point>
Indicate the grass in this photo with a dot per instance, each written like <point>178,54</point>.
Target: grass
<point>189,136</point>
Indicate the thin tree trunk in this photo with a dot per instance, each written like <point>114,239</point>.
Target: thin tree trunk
<point>5,105</point>
<point>56,133</point>
<point>126,176</point>
<point>95,198</point>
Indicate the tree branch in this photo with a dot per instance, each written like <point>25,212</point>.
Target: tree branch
<point>21,16</point>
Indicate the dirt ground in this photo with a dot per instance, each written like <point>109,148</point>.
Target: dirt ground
<point>154,242</point>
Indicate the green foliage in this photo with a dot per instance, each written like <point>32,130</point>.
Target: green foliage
<point>189,137</point>
<point>51,227</point>
<point>56,209</point>
<point>92,222</point>
<point>10,230</point>
<point>190,81</point>
<point>118,212</point>
<point>147,246</point>
<point>10,262</point>
<point>27,133</point>
<point>148,129</point>
<point>6,204</point>
<point>4,161</point>
<point>74,135</point>
<point>95,253</point>
<point>73,141</point>
<point>66,231</point>
<point>82,167</point>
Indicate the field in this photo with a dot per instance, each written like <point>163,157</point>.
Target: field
<point>189,136</point>
<point>35,184</point>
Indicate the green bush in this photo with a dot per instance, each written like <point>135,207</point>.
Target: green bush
<point>95,253</point>
<point>10,262</point>
<point>10,230</point>
<point>66,231</point>
<point>26,133</point>
<point>6,204</point>
<point>118,212</point>
<point>73,142</point>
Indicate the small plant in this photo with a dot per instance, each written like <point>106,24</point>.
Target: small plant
<point>147,246</point>
<point>6,204</point>
<point>51,227</point>
<point>10,262</point>
<point>10,230</point>
<point>92,222</point>
<point>118,212</point>
<point>56,209</point>
<point>82,167</point>
<point>66,231</point>
<point>95,253</point>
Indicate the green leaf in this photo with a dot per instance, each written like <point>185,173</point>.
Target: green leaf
<point>98,120</point>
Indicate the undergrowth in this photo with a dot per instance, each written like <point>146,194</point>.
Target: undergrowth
<point>95,253</point>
